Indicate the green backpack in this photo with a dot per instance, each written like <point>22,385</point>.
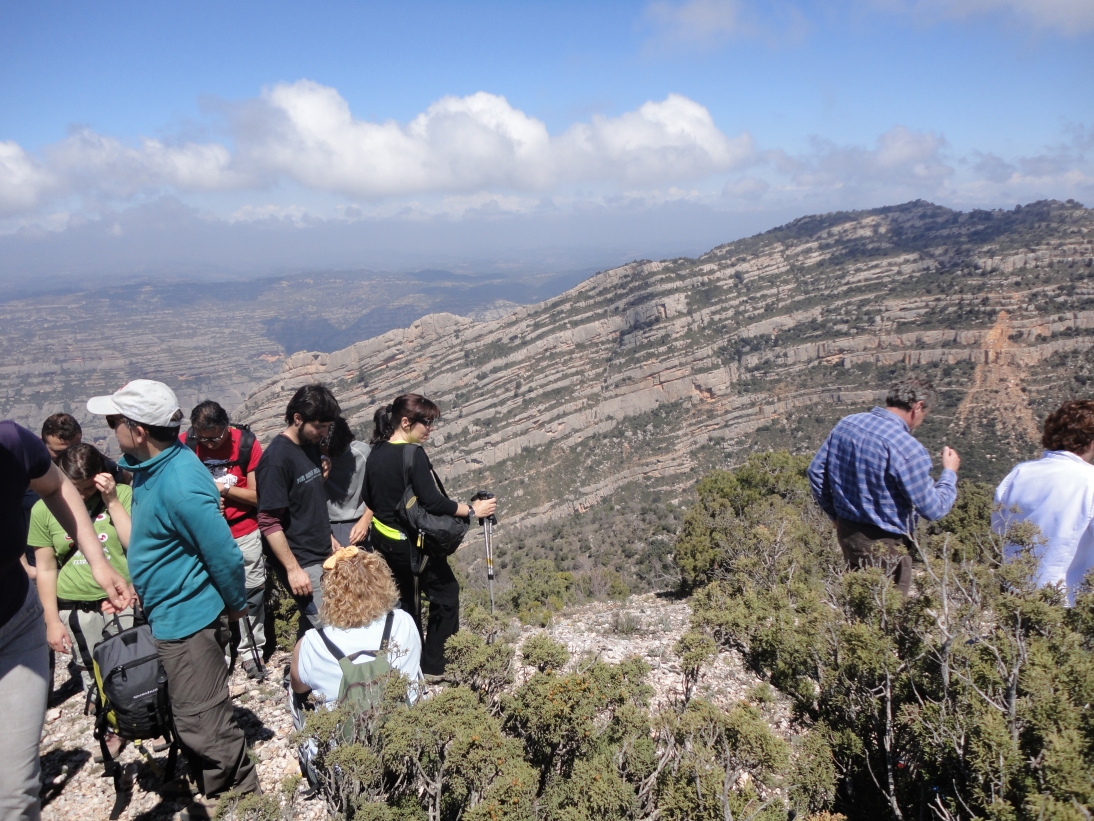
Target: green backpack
<point>362,685</point>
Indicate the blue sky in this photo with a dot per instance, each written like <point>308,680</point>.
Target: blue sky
<point>247,138</point>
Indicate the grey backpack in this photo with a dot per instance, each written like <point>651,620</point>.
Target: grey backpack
<point>132,695</point>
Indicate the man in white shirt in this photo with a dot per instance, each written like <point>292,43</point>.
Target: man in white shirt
<point>1056,493</point>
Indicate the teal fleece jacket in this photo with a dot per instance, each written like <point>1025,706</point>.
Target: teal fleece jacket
<point>185,565</point>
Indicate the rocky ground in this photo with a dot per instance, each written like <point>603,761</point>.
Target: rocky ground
<point>649,625</point>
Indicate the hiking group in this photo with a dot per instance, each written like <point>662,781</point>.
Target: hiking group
<point>183,553</point>
<point>177,562</point>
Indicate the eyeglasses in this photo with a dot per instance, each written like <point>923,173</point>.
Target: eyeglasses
<point>113,421</point>
<point>211,440</point>
<point>427,423</point>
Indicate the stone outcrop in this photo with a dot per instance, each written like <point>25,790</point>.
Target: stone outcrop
<point>647,373</point>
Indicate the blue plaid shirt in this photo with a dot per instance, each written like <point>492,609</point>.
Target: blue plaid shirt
<point>871,469</point>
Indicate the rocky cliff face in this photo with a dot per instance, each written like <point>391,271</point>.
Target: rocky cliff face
<point>645,375</point>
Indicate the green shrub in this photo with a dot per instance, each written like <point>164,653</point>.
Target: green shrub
<point>968,699</point>
<point>538,590</point>
<point>544,654</point>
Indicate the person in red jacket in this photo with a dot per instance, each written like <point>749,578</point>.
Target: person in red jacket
<point>223,449</point>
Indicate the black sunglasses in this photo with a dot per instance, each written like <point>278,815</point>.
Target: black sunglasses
<point>113,421</point>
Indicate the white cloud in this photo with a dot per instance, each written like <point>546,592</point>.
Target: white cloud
<point>466,144</point>
<point>707,24</point>
<point>305,132</point>
<point>751,189</point>
<point>87,160</point>
<point>23,181</point>
<point>1067,17</point>
<point>457,144</point>
<point>673,139</point>
<point>901,159</point>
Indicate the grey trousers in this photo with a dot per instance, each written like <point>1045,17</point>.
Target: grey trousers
<point>197,684</point>
<point>86,628</point>
<point>24,688</point>
<point>254,566</point>
<point>309,605</point>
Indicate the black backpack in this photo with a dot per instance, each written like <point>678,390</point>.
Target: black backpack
<point>438,536</point>
<point>132,696</point>
<point>246,445</point>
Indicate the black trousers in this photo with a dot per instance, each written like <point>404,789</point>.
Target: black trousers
<point>437,583</point>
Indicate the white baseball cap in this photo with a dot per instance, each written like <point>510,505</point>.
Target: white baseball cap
<point>142,400</point>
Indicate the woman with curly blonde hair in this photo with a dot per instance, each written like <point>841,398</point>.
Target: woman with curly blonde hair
<point>358,595</point>
<point>1056,493</point>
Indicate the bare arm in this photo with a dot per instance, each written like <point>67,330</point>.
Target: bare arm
<point>298,578</point>
<point>46,562</point>
<point>64,502</point>
<point>32,572</point>
<point>119,516</point>
<point>247,496</point>
<point>360,530</point>
<point>294,672</point>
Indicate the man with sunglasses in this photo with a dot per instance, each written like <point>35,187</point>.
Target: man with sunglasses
<point>188,573</point>
<point>231,454</point>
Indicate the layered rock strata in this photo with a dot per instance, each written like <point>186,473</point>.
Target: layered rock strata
<point>648,373</point>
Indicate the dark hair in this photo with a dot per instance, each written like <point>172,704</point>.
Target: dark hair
<point>339,438</point>
<point>82,461</point>
<point>209,414</point>
<point>163,434</point>
<point>1071,427</point>
<point>62,425</point>
<point>314,403</point>
<point>413,406</point>
<point>905,393</point>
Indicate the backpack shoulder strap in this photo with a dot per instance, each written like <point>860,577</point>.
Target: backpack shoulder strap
<point>383,641</point>
<point>331,646</point>
<point>191,440</point>
<point>387,630</point>
<point>408,463</point>
<point>409,452</point>
<point>246,446</point>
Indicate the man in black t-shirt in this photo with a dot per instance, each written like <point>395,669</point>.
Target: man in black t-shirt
<point>292,505</point>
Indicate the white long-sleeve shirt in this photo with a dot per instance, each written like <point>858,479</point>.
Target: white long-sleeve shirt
<point>1056,493</point>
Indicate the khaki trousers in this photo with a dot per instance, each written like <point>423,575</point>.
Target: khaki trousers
<point>197,684</point>
<point>867,545</point>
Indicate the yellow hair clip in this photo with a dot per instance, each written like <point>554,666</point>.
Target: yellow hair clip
<point>340,554</point>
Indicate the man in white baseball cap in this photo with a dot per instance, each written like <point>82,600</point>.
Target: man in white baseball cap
<point>188,573</point>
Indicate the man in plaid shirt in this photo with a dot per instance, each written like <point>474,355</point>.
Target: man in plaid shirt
<point>872,478</point>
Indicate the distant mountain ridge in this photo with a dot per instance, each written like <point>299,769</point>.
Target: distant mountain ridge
<point>644,376</point>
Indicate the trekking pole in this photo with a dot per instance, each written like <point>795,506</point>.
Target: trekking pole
<point>249,634</point>
<point>488,537</point>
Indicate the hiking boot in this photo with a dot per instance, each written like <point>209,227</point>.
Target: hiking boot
<point>114,744</point>
<point>200,809</point>
<point>176,788</point>
<point>254,671</point>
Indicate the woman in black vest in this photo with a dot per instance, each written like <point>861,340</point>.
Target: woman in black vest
<point>407,422</point>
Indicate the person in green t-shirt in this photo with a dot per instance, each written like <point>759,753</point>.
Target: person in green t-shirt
<point>71,599</point>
